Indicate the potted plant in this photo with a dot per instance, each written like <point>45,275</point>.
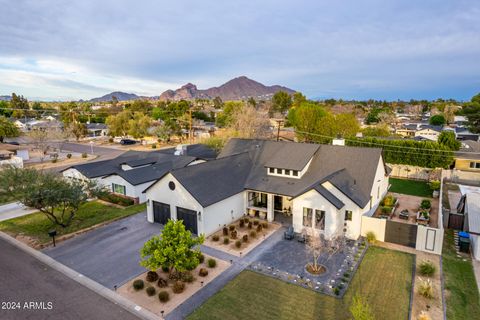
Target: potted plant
<point>262,214</point>
<point>251,213</point>
<point>435,186</point>
<point>426,204</point>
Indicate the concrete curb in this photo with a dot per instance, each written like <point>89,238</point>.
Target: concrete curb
<point>83,280</point>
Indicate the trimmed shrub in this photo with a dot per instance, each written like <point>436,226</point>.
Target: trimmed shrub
<point>187,277</point>
<point>265,225</point>
<point>233,234</point>
<point>246,221</point>
<point>201,258</point>
<point>336,291</point>
<point>425,288</point>
<point>427,268</point>
<point>245,238</point>
<point>250,225</point>
<point>253,234</point>
<point>371,237</point>
<point>113,198</point>
<point>110,140</point>
<point>215,237</point>
<point>225,231</point>
<point>346,275</point>
<point>69,155</point>
<point>138,284</point>
<point>231,227</point>
<point>203,272</point>
<point>150,291</point>
<point>211,263</point>
<point>165,269</point>
<point>178,287</point>
<point>175,275</point>
<point>426,204</point>
<point>389,201</point>
<point>162,283</point>
<point>259,228</point>
<point>163,296</point>
<point>241,223</point>
<point>151,276</point>
<point>154,146</point>
<point>226,240</point>
<point>238,243</point>
<point>255,222</point>
<point>84,155</point>
<point>386,210</point>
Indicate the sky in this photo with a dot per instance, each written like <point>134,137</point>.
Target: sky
<point>350,49</point>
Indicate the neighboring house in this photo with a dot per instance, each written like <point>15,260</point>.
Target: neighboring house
<point>463,134</point>
<point>470,206</point>
<point>468,157</point>
<point>97,129</point>
<point>45,125</point>
<point>428,132</point>
<point>132,172</point>
<point>8,155</point>
<point>327,187</point>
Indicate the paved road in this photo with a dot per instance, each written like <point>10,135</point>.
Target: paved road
<point>13,210</point>
<point>110,254</point>
<point>104,152</point>
<point>24,279</point>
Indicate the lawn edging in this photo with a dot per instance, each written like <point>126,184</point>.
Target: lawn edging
<point>442,281</point>
<point>412,290</point>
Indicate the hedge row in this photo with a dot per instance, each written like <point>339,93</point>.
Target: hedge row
<point>113,198</point>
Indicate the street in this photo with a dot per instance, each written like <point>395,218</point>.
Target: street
<point>14,210</point>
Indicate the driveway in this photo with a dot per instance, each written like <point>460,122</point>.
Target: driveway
<point>14,210</point>
<point>110,254</point>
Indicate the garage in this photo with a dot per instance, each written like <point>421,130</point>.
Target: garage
<point>161,212</point>
<point>189,218</point>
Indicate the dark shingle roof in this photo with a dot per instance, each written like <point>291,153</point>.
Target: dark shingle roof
<point>198,150</point>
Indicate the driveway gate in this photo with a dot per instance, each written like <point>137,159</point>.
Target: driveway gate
<point>401,233</point>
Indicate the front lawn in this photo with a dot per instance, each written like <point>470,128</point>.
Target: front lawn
<point>384,278</point>
<point>410,187</point>
<point>37,225</point>
<point>460,285</point>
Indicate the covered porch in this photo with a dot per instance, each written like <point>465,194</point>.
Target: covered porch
<point>272,207</point>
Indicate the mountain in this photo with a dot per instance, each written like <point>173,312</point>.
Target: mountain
<point>235,89</point>
<point>121,96</point>
<point>5,98</point>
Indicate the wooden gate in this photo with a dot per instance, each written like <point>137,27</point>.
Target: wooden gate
<point>401,233</point>
<point>455,221</point>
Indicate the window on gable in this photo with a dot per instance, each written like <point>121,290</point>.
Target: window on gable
<point>307,217</point>
<point>295,173</point>
<point>348,215</point>
<point>279,171</point>
<point>320,219</point>
<point>287,172</point>
<point>271,170</point>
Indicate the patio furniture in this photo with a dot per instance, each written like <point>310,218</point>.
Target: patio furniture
<point>404,214</point>
<point>302,238</point>
<point>289,234</point>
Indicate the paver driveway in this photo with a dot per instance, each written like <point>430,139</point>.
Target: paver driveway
<point>110,254</point>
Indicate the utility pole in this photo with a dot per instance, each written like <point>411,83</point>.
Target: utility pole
<point>190,134</point>
<point>279,122</point>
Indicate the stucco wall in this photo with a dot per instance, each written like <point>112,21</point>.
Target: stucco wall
<point>429,239</point>
<point>221,213</point>
<point>130,190</point>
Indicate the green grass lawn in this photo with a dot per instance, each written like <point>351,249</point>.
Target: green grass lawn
<point>384,278</point>
<point>462,292</point>
<point>37,225</point>
<point>410,187</point>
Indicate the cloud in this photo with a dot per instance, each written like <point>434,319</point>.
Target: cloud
<point>345,49</point>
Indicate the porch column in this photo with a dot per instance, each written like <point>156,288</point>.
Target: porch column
<point>269,207</point>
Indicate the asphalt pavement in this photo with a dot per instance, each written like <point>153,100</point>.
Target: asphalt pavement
<point>110,254</point>
<point>14,210</point>
<point>103,152</point>
<point>32,290</point>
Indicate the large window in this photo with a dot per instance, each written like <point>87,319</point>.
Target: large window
<point>307,217</point>
<point>475,165</point>
<point>320,219</point>
<point>348,215</point>
<point>118,188</point>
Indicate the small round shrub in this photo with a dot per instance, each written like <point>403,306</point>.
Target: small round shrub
<point>178,287</point>
<point>162,283</point>
<point>427,268</point>
<point>426,204</point>
<point>238,243</point>
<point>226,240</point>
<point>203,272</point>
<point>336,291</point>
<point>253,234</point>
<point>150,291</point>
<point>163,296</point>
<point>265,225</point>
<point>165,269</point>
<point>215,237</point>
<point>231,227</point>
<point>174,275</point>
<point>255,222</point>
<point>250,225</point>
<point>201,258</point>
<point>69,155</point>
<point>259,228</point>
<point>241,223</point>
<point>246,221</point>
<point>233,234</point>
<point>154,146</point>
<point>245,238</point>
<point>225,231</point>
<point>187,277</point>
<point>138,284</point>
<point>151,276</point>
<point>84,155</point>
<point>425,288</point>
<point>371,237</point>
<point>211,263</point>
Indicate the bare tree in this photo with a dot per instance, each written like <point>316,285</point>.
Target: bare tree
<point>322,249</point>
<point>249,122</point>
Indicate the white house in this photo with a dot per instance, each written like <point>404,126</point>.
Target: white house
<point>131,173</point>
<point>97,129</point>
<point>326,188</point>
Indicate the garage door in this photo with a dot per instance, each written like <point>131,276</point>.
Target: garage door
<point>161,212</point>
<point>189,218</point>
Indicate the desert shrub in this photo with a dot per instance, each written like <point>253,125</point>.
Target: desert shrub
<point>233,234</point>
<point>425,204</point>
<point>138,284</point>
<point>163,296</point>
<point>265,225</point>
<point>165,269</point>
<point>241,223</point>
<point>259,228</point>
<point>427,268</point>
<point>435,185</point>
<point>231,227</point>
<point>84,155</point>
<point>225,231</point>
<point>425,288</point>
<point>187,277</point>
<point>424,316</point>
<point>246,221</point>
<point>211,263</point>
<point>336,291</point>
<point>150,291</point>
<point>154,146</point>
<point>385,210</point>
<point>151,276</point>
<point>110,140</point>
<point>245,238</point>
<point>215,237</point>
<point>226,240</point>
<point>69,155</point>
<point>162,283</point>
<point>201,258</point>
<point>203,272</point>
<point>175,275</point>
<point>346,275</point>
<point>253,234</point>
<point>371,237</point>
<point>178,287</point>
<point>389,201</point>
<point>250,225</point>
<point>255,222</point>
<point>238,243</point>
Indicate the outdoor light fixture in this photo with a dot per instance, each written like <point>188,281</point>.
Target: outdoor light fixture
<point>199,213</point>
<point>148,202</point>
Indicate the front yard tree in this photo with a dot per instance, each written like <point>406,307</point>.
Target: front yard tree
<point>47,192</point>
<point>174,249</point>
<point>322,249</point>
<point>7,129</point>
<point>118,125</point>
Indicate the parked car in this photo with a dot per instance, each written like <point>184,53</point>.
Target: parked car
<point>127,141</point>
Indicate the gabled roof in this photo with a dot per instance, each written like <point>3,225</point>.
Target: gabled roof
<point>329,196</point>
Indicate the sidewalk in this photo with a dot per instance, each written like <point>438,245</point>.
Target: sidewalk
<point>14,210</point>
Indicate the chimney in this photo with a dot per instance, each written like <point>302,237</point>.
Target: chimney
<point>180,150</point>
